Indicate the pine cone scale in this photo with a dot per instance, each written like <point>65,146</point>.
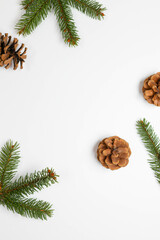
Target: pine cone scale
<point>106,152</point>
<point>115,160</point>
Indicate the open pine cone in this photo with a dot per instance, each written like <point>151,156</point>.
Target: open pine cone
<point>9,52</point>
<point>151,89</point>
<point>113,153</point>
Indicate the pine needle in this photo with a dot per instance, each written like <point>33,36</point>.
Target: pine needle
<point>152,144</point>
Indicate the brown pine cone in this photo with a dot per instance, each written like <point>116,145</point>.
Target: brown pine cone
<point>9,52</point>
<point>151,89</point>
<point>113,153</point>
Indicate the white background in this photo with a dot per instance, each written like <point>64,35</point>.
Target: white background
<point>68,99</point>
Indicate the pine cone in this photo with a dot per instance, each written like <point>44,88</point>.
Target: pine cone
<point>151,89</point>
<point>8,52</point>
<point>113,153</point>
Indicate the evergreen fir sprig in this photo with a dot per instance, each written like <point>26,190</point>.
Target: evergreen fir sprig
<point>14,194</point>
<point>9,160</point>
<point>32,183</point>
<point>92,9</point>
<point>66,23</point>
<point>152,144</point>
<point>37,10</point>
<point>29,207</point>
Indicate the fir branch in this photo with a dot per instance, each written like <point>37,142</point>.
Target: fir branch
<point>29,207</point>
<point>36,11</point>
<point>9,160</point>
<point>152,144</point>
<point>91,8</point>
<point>32,183</point>
<point>13,194</point>
<point>65,21</point>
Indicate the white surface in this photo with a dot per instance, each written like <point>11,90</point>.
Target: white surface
<point>64,102</point>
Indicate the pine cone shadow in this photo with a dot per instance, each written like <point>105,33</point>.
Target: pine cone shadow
<point>140,87</point>
<point>95,147</point>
